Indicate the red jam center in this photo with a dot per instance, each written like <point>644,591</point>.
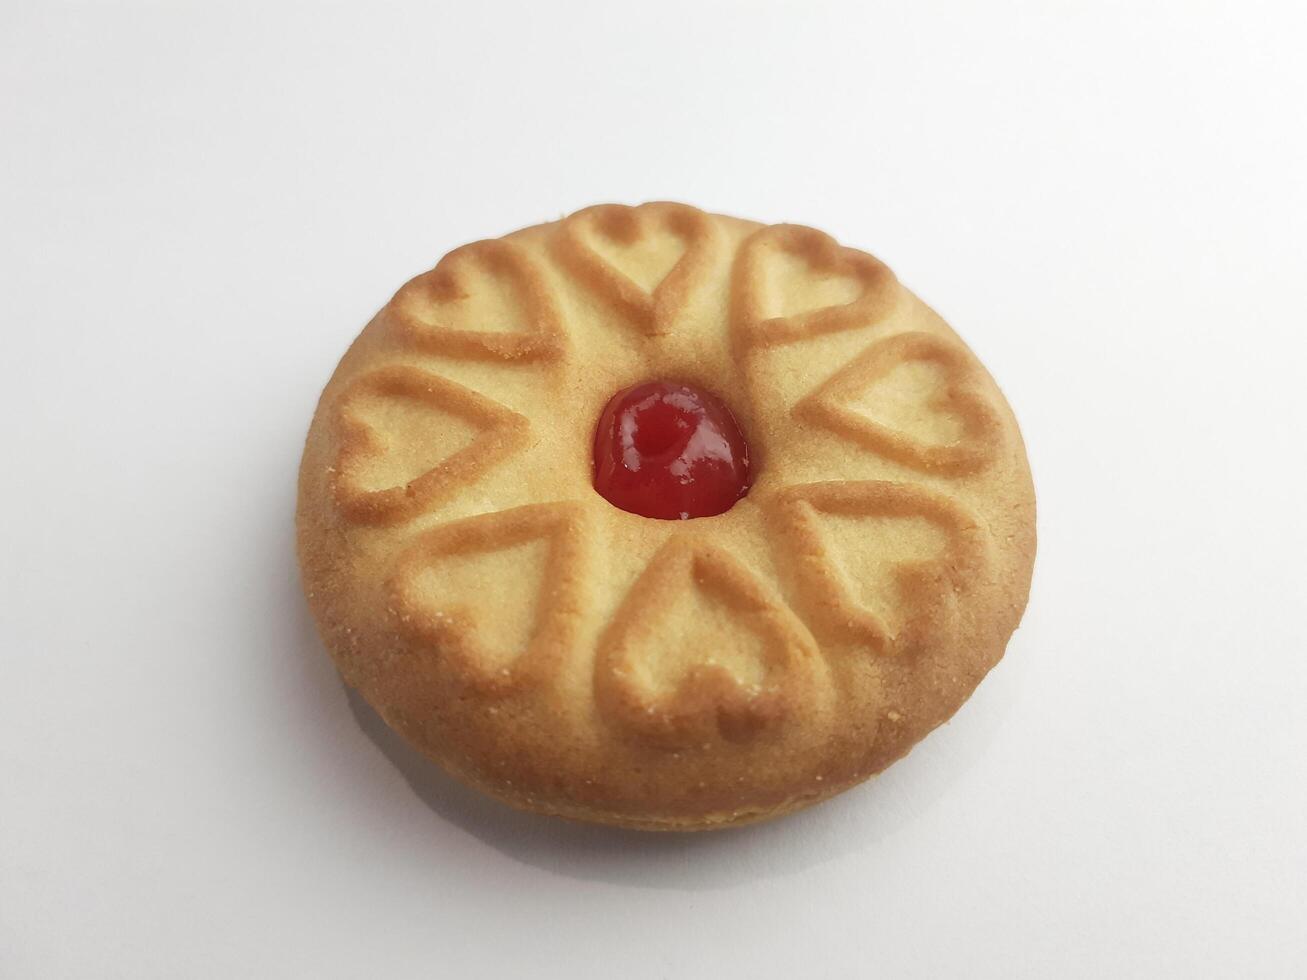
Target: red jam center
<point>670,451</point>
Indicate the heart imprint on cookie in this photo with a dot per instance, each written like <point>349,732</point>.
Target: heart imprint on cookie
<point>409,439</point>
<point>484,301</point>
<point>446,592</point>
<point>792,283</point>
<point>646,262</point>
<point>913,398</point>
<point>875,563</point>
<point>701,649</point>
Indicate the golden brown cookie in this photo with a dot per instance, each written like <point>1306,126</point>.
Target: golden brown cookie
<point>572,658</point>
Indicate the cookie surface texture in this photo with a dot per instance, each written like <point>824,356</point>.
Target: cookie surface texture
<point>571,658</point>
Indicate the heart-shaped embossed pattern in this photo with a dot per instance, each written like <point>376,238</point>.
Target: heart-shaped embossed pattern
<point>741,659</point>
<point>645,261</point>
<point>834,287</point>
<point>495,433</point>
<point>958,395</point>
<point>485,301</point>
<point>927,549</point>
<point>505,595</point>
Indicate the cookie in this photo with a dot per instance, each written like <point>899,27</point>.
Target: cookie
<point>664,519</point>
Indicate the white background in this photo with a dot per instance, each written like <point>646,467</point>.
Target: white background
<point>199,208</point>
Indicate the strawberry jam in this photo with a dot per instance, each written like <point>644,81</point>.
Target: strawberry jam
<point>670,451</point>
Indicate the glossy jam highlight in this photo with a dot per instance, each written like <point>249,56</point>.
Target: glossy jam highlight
<point>670,451</point>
